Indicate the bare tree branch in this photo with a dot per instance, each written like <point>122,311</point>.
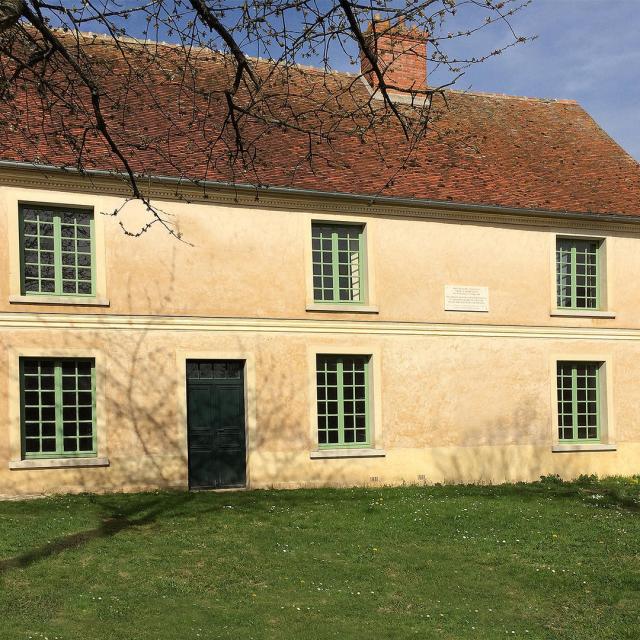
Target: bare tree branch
<point>230,86</point>
<point>10,12</point>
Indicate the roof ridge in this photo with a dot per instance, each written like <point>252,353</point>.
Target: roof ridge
<point>174,45</point>
<point>509,96</point>
<point>128,39</point>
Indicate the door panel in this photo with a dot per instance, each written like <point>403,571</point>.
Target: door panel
<point>230,434</point>
<point>200,408</point>
<point>216,424</point>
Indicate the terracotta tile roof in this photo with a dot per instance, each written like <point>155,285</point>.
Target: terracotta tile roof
<point>484,148</point>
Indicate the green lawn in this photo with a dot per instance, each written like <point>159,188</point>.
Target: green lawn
<point>547,560</point>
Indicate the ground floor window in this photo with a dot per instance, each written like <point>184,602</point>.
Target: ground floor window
<point>343,401</point>
<point>578,388</point>
<point>57,407</point>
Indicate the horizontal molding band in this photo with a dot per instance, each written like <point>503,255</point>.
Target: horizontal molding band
<point>109,322</point>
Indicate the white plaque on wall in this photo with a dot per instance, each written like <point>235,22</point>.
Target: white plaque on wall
<point>458,298</point>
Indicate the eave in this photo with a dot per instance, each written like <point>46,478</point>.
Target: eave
<point>239,194</point>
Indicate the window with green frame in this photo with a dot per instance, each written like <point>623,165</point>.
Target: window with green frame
<point>578,273</point>
<point>57,407</point>
<point>343,401</point>
<point>578,388</point>
<point>338,253</point>
<point>56,251</point>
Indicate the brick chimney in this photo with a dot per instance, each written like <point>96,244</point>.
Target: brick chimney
<point>401,53</point>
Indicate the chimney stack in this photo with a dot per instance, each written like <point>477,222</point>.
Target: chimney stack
<point>401,53</point>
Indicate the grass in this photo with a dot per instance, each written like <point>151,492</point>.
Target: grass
<point>544,560</point>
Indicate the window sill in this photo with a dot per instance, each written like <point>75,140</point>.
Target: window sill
<point>347,453</point>
<point>596,446</point>
<point>579,313</point>
<point>70,300</point>
<point>58,463</point>
<point>342,308</point>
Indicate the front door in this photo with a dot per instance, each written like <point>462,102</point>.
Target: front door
<point>216,424</point>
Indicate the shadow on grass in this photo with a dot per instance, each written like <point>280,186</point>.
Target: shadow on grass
<point>122,512</point>
<point>620,493</point>
<point>118,516</point>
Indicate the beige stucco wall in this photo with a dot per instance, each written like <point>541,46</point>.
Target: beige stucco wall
<point>253,262</point>
<point>459,397</point>
<point>451,408</point>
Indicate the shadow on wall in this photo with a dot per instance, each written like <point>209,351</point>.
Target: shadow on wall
<point>146,430</point>
<point>519,449</point>
<point>501,456</point>
<point>141,415</point>
<point>137,417</point>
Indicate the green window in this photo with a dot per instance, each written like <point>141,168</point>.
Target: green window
<point>577,273</point>
<point>338,263</point>
<point>57,252</point>
<point>343,401</point>
<point>578,389</point>
<point>57,407</point>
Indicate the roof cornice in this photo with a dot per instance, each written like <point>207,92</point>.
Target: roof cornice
<point>188,190</point>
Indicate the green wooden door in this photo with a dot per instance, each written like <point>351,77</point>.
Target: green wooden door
<point>216,423</point>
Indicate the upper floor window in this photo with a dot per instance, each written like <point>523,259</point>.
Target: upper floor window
<point>578,389</point>
<point>338,263</point>
<point>578,273</point>
<point>56,251</point>
<point>57,407</point>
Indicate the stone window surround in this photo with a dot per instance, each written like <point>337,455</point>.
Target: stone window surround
<point>337,347</point>
<point>55,199</point>
<point>371,305</point>
<point>607,441</point>
<point>16,460</point>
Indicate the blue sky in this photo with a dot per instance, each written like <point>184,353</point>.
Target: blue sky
<point>587,50</point>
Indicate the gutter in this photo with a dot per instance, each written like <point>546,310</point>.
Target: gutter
<point>427,203</point>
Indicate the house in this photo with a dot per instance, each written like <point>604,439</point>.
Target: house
<point>476,321</point>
